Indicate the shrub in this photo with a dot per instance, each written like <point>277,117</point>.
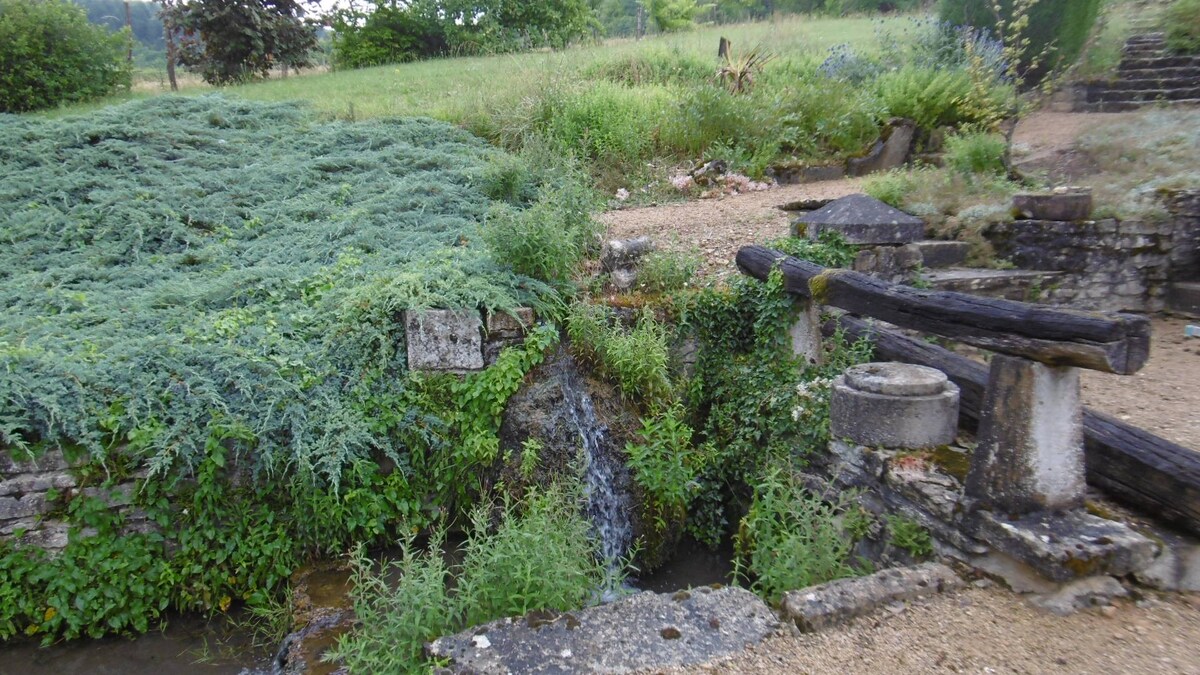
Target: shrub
<point>538,242</point>
<point>50,55</point>
<point>792,538</point>
<point>636,359</point>
<point>606,121</point>
<point>1182,19</point>
<point>938,97</point>
<point>653,66</point>
<point>1056,30</point>
<point>663,464</point>
<point>892,187</point>
<point>977,153</point>
<point>540,556</point>
<point>665,271</point>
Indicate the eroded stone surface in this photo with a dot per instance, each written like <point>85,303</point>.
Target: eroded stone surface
<point>896,379</point>
<point>1030,452</point>
<point>444,339</point>
<point>1066,546</point>
<point>829,604</point>
<point>643,631</point>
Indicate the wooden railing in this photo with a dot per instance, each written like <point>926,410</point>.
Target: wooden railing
<point>1132,465</point>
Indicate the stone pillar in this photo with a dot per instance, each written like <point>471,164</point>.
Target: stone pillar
<point>1030,452</point>
<point>894,405</point>
<point>806,332</point>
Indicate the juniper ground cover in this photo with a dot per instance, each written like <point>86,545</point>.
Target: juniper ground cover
<point>183,269</point>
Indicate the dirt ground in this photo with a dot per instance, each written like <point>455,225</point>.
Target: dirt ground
<point>990,631</point>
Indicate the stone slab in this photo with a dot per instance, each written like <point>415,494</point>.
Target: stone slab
<point>647,631</point>
<point>506,324</point>
<point>942,254</point>
<point>862,220</point>
<point>23,483</point>
<point>896,379</point>
<point>1067,206</point>
<point>830,604</point>
<point>889,152</point>
<point>1066,546</point>
<point>444,339</point>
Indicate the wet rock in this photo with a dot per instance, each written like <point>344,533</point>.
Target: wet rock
<point>641,632</point>
<point>819,607</point>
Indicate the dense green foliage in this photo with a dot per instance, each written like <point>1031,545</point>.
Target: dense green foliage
<point>635,358</point>
<point>50,55</point>
<point>1043,35</point>
<point>144,22</point>
<point>389,32</point>
<point>178,268</point>
<point>229,41</point>
<point>220,538</point>
<point>539,556</point>
<point>1182,19</point>
<point>977,153</point>
<point>792,538</point>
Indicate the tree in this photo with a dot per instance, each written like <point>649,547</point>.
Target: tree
<point>231,41</point>
<point>50,54</point>
<point>675,15</point>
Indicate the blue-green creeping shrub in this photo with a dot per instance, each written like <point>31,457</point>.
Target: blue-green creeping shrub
<point>224,536</point>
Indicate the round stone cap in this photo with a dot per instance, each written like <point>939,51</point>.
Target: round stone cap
<point>891,378</point>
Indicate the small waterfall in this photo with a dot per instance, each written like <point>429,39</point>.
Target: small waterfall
<point>608,505</point>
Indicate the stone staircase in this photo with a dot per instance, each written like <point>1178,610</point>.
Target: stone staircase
<point>1148,75</point>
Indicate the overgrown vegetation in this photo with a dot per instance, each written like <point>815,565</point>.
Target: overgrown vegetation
<point>51,55</point>
<point>539,556</point>
<point>217,299</point>
<point>1182,19</point>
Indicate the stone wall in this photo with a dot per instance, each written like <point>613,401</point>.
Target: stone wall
<point>1110,265</point>
<point>32,493</point>
<point>1184,207</point>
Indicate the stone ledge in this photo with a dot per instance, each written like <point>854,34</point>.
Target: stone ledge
<point>819,607</point>
<point>642,632</point>
<point>1066,546</point>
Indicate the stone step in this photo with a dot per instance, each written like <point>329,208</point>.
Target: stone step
<point>941,254</point>
<point>1020,285</point>
<point>1154,73</point>
<point>1144,83</point>
<point>1145,38</point>
<point>1184,297</point>
<point>1143,95</point>
<point>1124,106</point>
<point>1158,62</point>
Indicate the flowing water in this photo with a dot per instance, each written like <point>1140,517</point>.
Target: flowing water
<point>608,505</point>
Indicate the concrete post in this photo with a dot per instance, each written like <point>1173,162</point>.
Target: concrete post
<point>806,332</point>
<point>1030,452</point>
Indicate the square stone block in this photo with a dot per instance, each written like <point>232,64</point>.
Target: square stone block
<point>503,322</point>
<point>444,339</point>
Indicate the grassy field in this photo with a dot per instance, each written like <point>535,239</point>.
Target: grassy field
<point>442,88</point>
<point>636,112</point>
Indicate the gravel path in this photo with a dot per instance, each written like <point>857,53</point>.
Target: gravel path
<point>990,631</point>
<point>717,228</point>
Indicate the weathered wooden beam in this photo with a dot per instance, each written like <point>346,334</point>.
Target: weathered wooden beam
<point>1112,343</point>
<point>1131,465</point>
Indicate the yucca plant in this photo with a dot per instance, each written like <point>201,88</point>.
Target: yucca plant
<point>737,72</point>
